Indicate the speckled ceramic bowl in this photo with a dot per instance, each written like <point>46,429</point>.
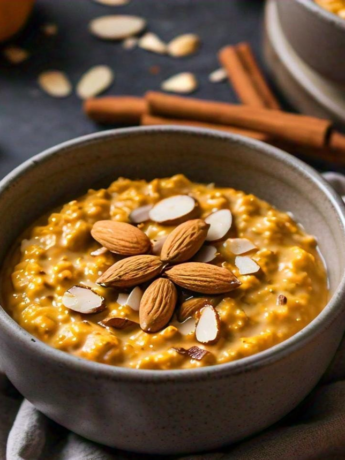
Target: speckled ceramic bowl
<point>188,410</point>
<point>317,36</point>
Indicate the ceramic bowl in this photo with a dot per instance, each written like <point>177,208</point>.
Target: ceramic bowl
<point>317,36</point>
<point>179,411</point>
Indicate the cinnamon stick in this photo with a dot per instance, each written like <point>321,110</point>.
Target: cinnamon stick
<point>246,77</point>
<point>124,110</point>
<point>296,129</point>
<point>151,120</point>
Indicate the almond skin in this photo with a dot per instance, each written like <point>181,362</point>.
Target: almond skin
<point>157,305</point>
<point>121,238</point>
<point>191,306</point>
<point>185,241</point>
<point>132,271</point>
<point>203,278</point>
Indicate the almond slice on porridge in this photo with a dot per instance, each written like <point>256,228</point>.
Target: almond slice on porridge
<point>220,223</point>
<point>206,254</point>
<point>174,210</point>
<point>239,246</point>
<point>118,323</point>
<point>246,265</point>
<point>141,214</point>
<point>208,325</point>
<point>193,352</point>
<point>83,299</point>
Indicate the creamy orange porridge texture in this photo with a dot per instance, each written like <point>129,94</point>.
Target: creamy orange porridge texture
<point>287,287</point>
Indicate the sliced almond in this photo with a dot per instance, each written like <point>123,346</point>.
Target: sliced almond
<point>246,265</point>
<point>217,76</point>
<point>151,42</point>
<point>121,238</point>
<point>15,54</point>
<point>184,45</point>
<point>157,245</point>
<point>55,83</point>
<point>134,298</point>
<point>174,210</point>
<point>83,299</point>
<point>185,241</point>
<point>206,254</point>
<point>239,245</point>
<point>99,252</point>
<point>130,43</point>
<point>281,300</point>
<point>183,83</point>
<point>50,29</point>
<point>141,214</point>
<point>192,305</point>
<point>220,223</point>
<point>157,305</point>
<point>122,299</point>
<point>203,278</point>
<point>113,2</point>
<point>132,271</point>
<point>187,327</point>
<point>193,352</point>
<point>117,27</point>
<point>95,81</point>
<point>118,323</point>
<point>208,325</point>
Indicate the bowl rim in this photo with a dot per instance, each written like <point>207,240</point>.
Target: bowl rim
<point>317,9</point>
<point>267,357</point>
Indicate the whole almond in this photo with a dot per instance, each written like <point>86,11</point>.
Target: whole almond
<point>185,241</point>
<point>203,278</point>
<point>157,305</point>
<point>131,271</point>
<point>191,306</point>
<point>121,238</point>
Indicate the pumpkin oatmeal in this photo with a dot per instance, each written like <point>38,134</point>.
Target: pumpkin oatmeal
<point>165,274</point>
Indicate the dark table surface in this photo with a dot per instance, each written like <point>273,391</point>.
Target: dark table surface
<point>31,121</point>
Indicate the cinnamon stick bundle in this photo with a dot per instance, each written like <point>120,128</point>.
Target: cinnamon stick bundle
<point>246,77</point>
<point>124,110</point>
<point>296,129</point>
<point>151,120</point>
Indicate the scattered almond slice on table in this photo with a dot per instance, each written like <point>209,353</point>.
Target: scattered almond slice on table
<point>174,210</point>
<point>117,27</point>
<point>95,81</point>
<point>239,245</point>
<point>184,45</point>
<point>130,43</point>
<point>208,325</point>
<point>193,352</point>
<point>15,54</point>
<point>206,254</point>
<point>220,223</point>
<point>246,265</point>
<point>151,42</point>
<point>55,83</point>
<point>217,76</point>
<point>183,83</point>
<point>141,214</point>
<point>50,29</point>
<point>118,323</point>
<point>84,300</point>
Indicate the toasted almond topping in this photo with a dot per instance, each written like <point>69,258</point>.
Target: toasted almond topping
<point>185,241</point>
<point>15,55</point>
<point>120,238</point>
<point>151,42</point>
<point>187,327</point>
<point>157,245</point>
<point>95,81</point>
<point>220,224</point>
<point>122,298</point>
<point>206,254</point>
<point>130,43</point>
<point>131,271</point>
<point>203,278</point>
<point>83,299</point>
<point>239,245</point>
<point>208,325</point>
<point>134,298</point>
<point>218,76</point>
<point>139,215</point>
<point>184,45</point>
<point>183,83</point>
<point>113,2</point>
<point>281,300</point>
<point>174,210</point>
<point>118,323</point>
<point>50,29</point>
<point>157,305</point>
<point>117,27</point>
<point>192,305</point>
<point>193,352</point>
<point>246,265</point>
<point>55,83</point>
<point>99,252</point>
